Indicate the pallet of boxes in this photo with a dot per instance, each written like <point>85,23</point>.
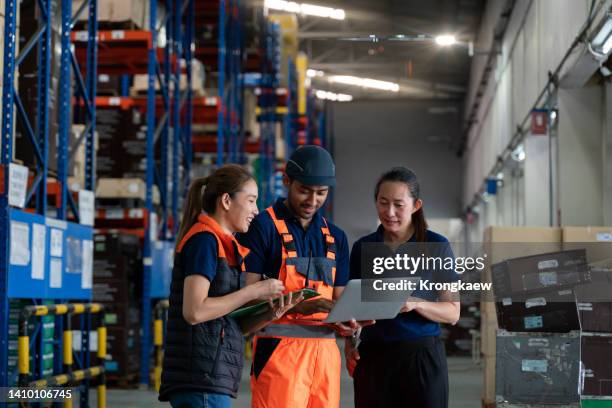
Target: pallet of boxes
<point>544,330</point>
<point>120,222</point>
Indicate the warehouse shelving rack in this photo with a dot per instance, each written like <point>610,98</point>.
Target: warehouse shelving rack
<point>230,84</point>
<point>268,115</point>
<point>15,279</point>
<point>168,121</point>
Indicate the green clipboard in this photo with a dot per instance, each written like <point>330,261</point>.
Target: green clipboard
<point>261,307</point>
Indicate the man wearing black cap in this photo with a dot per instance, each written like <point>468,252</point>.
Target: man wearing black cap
<point>296,362</point>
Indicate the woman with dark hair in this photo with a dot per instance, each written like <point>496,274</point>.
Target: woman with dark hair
<point>204,347</point>
<point>401,362</point>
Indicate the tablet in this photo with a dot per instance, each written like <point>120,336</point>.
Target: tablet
<point>350,306</point>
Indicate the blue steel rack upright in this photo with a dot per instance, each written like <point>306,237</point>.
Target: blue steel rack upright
<point>230,84</point>
<point>268,106</point>
<point>179,35</point>
<point>38,135</point>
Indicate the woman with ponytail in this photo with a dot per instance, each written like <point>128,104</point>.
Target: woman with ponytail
<point>204,347</point>
<point>401,362</point>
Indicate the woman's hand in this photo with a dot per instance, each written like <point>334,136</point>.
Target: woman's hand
<point>267,289</point>
<point>411,304</point>
<point>284,304</point>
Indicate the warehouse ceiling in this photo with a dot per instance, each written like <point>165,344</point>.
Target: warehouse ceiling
<point>420,66</point>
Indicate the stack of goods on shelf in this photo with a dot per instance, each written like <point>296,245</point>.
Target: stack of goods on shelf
<point>141,81</point>
<point>117,285</point>
<point>122,14</point>
<point>122,140</point>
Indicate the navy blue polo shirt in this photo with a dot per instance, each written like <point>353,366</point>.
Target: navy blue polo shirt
<point>405,326</point>
<point>265,244</point>
<point>199,256</point>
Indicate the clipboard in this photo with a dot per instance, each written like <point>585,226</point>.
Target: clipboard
<point>261,307</point>
<point>350,306</point>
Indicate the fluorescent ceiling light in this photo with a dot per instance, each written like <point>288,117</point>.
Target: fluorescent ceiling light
<point>311,73</point>
<point>602,41</point>
<point>445,40</point>
<point>607,45</point>
<point>331,96</point>
<point>306,9</point>
<point>365,82</point>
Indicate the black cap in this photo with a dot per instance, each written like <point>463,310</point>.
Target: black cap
<point>312,165</point>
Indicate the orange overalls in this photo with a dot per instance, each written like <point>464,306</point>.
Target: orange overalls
<point>296,361</point>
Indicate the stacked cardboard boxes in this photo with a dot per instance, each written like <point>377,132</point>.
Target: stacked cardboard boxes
<point>122,142</point>
<point>595,311</point>
<point>554,311</point>
<point>501,243</point>
<point>538,346</point>
<point>117,279</point>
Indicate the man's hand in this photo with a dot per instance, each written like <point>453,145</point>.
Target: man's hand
<point>313,306</point>
<point>347,329</point>
<point>351,355</point>
<point>284,304</point>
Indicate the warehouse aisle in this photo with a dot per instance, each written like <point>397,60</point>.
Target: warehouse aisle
<point>465,384</point>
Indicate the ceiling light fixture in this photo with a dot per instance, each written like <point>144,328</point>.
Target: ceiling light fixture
<point>445,40</point>
<point>306,9</point>
<point>311,73</point>
<point>365,82</point>
<point>331,96</point>
<point>602,42</point>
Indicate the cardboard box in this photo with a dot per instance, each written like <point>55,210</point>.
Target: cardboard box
<point>531,274</point>
<point>537,368</point>
<point>501,243</point>
<point>595,300</point>
<point>596,371</point>
<point>597,241</point>
<point>140,85</point>
<point>553,312</point>
<point>124,188</point>
<point>108,85</point>
<point>123,13</point>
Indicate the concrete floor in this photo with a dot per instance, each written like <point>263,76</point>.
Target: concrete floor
<point>465,389</point>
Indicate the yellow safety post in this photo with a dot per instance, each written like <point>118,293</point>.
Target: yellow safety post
<point>158,341</point>
<point>23,349</point>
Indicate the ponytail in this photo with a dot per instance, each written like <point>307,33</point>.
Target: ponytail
<point>204,193</point>
<point>193,207</point>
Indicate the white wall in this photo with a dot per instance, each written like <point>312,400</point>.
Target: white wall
<point>539,34</point>
<point>580,156</point>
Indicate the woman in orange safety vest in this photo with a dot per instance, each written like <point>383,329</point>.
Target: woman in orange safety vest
<point>204,347</point>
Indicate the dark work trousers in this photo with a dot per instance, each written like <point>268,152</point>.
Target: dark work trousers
<point>409,374</point>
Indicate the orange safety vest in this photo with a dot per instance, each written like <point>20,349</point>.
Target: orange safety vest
<point>294,270</point>
<point>229,248</point>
